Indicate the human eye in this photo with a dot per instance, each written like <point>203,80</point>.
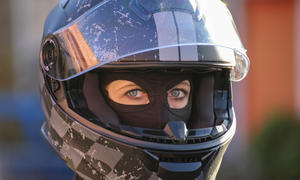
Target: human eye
<point>127,93</point>
<point>135,97</point>
<point>177,93</point>
<point>178,96</point>
<point>135,93</point>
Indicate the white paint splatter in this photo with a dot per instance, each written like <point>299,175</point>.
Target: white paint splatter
<point>82,134</point>
<point>69,19</point>
<point>124,18</point>
<point>83,4</point>
<point>56,143</point>
<point>102,171</point>
<point>80,153</point>
<point>98,30</point>
<point>93,154</point>
<point>105,55</point>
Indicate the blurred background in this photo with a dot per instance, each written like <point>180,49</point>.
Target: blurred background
<point>267,102</point>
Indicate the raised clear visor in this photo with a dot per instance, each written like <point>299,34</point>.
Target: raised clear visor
<point>116,29</point>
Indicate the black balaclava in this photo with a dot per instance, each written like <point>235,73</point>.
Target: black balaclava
<point>157,113</point>
<point>203,101</point>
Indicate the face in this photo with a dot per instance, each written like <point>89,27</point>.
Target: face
<point>128,93</point>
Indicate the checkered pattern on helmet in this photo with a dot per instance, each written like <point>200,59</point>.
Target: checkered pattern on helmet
<point>89,154</point>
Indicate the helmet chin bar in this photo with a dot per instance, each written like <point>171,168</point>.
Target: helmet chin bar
<point>200,164</point>
<point>156,162</point>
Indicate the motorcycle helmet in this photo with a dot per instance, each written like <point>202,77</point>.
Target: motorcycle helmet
<point>157,46</point>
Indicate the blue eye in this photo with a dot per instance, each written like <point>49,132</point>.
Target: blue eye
<point>136,93</point>
<point>177,93</point>
<point>133,93</point>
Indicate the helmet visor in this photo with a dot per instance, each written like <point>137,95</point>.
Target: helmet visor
<point>116,29</point>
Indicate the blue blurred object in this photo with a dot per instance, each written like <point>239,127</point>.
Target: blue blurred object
<point>30,157</point>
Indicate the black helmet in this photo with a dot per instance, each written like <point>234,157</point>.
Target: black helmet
<point>88,44</point>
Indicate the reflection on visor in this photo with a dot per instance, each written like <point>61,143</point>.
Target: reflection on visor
<point>241,68</point>
<point>94,39</point>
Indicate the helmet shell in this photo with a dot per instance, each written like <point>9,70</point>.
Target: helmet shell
<point>83,35</point>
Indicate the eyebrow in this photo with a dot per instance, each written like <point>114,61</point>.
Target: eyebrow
<point>128,86</point>
<point>187,86</point>
<point>187,83</point>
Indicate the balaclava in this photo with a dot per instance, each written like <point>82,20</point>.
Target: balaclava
<point>157,112</point>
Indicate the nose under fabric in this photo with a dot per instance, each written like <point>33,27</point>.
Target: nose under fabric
<point>157,113</point>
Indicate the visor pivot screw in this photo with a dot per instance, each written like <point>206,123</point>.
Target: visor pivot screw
<point>49,53</point>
